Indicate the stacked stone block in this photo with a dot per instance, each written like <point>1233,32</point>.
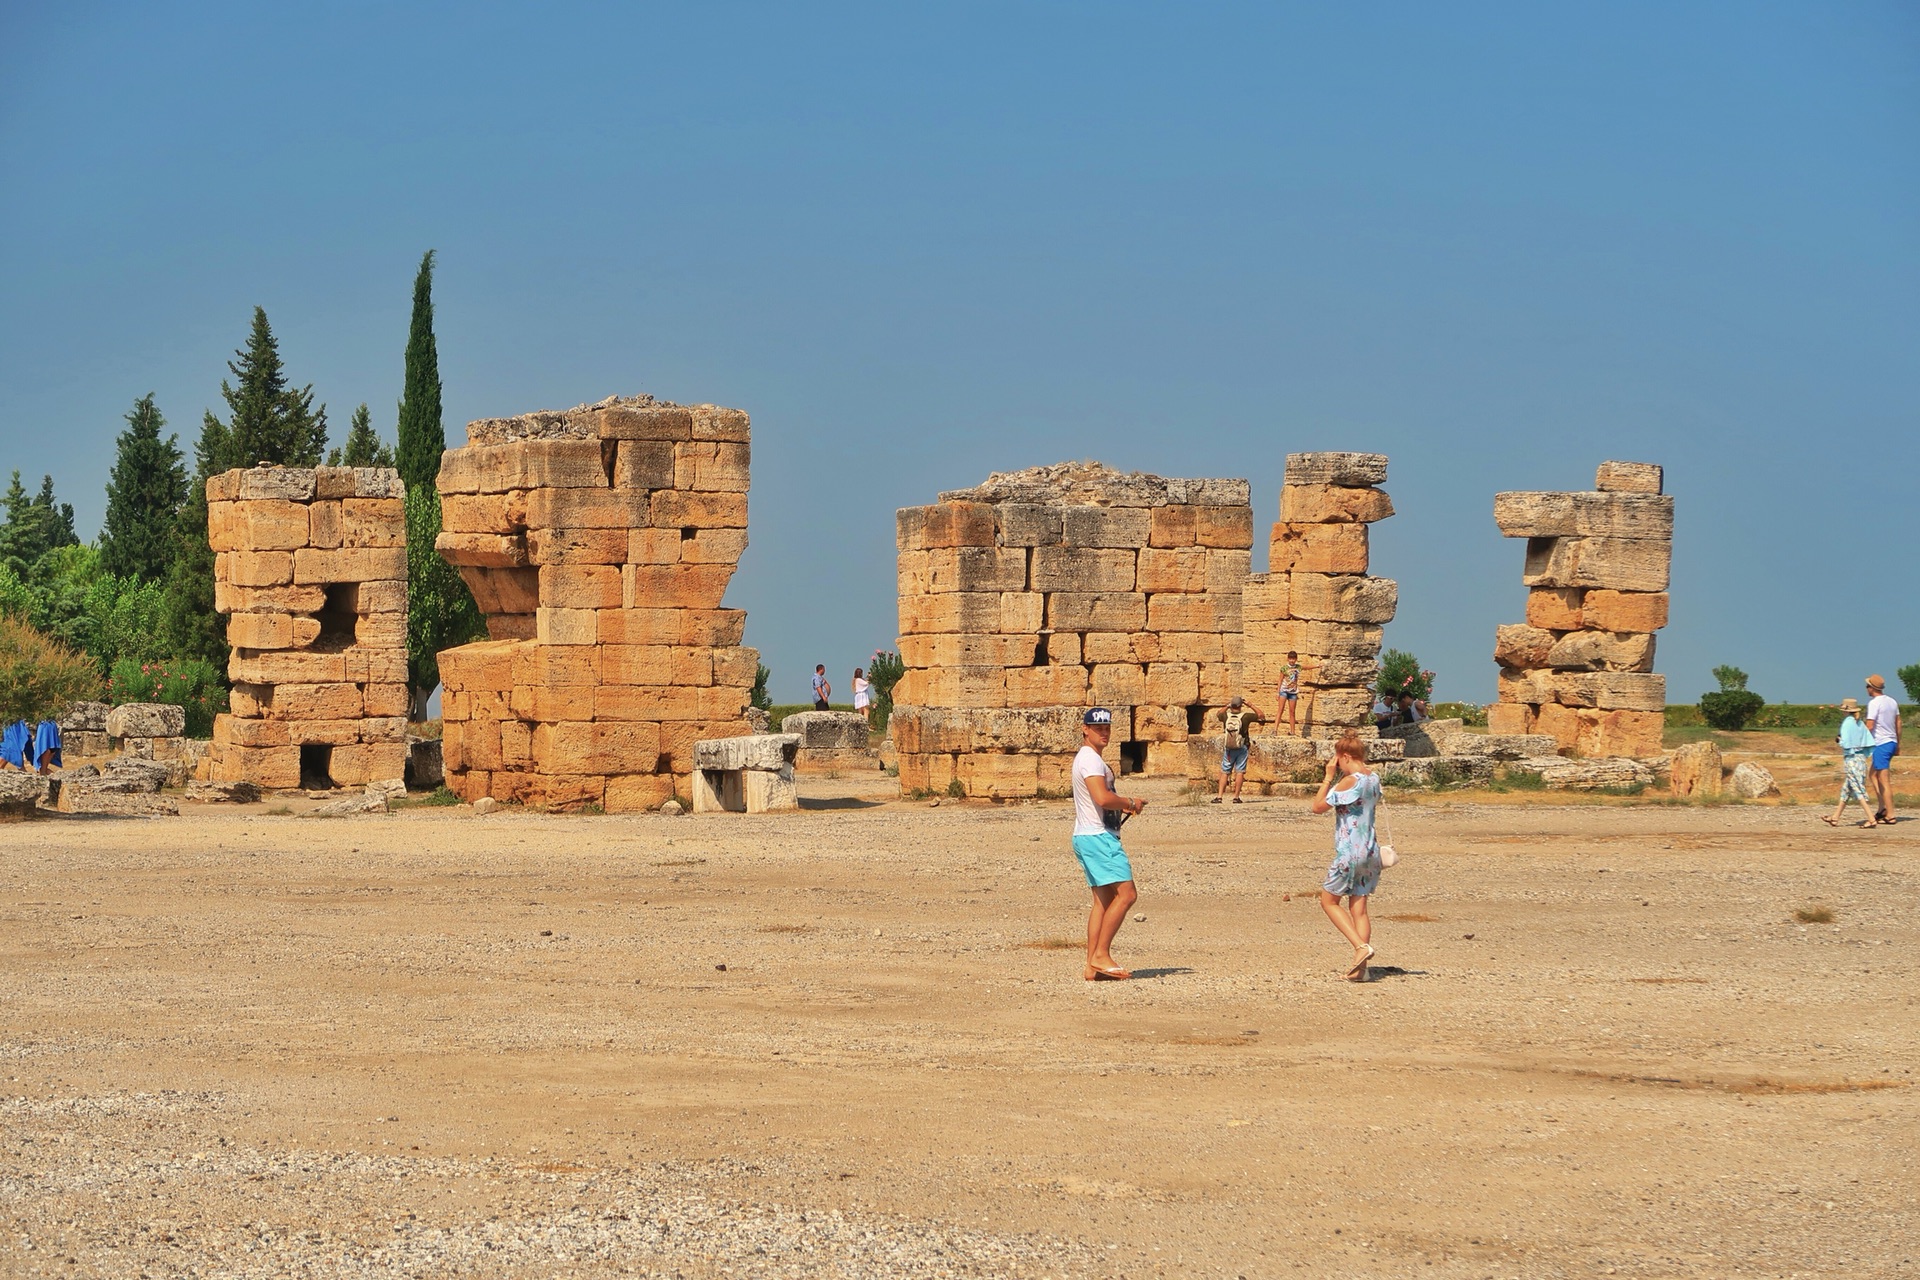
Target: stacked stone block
<point>599,542</point>
<point>1316,598</point>
<point>1045,591</point>
<point>310,564</point>
<point>1581,667</point>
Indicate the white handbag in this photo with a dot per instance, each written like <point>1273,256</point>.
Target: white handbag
<point>1388,857</point>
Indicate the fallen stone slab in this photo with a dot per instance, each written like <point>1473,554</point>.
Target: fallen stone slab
<point>1586,775</point>
<point>85,717</point>
<point>1428,738</point>
<point>1695,770</point>
<point>426,768</point>
<point>769,751</point>
<point>223,792</point>
<point>20,792</point>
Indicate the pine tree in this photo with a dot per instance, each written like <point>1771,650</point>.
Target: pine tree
<point>34,525</point>
<point>420,435</point>
<point>268,422</point>
<point>144,494</point>
<point>364,447</point>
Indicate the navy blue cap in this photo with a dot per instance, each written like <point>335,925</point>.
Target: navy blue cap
<point>1099,715</point>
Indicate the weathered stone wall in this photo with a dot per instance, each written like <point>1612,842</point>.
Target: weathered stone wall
<point>1316,598</point>
<point>1046,591</point>
<point>310,565</point>
<point>599,542</point>
<point>1581,667</point>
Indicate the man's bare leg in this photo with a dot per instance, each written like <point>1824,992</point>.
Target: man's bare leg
<point>1111,903</point>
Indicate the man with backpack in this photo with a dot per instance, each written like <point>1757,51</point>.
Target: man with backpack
<point>1238,721</point>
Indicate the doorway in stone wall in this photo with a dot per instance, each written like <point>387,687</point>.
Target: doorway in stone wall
<point>1133,757</point>
<point>316,766</point>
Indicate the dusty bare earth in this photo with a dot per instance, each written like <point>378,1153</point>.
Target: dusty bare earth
<point>837,1043</point>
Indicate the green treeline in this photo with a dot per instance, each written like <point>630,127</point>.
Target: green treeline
<point>136,603</point>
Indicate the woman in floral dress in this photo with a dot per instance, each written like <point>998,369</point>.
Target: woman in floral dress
<point>1352,792</point>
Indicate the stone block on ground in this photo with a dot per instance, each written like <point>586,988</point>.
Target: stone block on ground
<point>828,730</point>
<point>1695,769</point>
<point>1586,775</point>
<point>426,767</point>
<point>146,720</point>
<point>1751,781</point>
<point>85,717</point>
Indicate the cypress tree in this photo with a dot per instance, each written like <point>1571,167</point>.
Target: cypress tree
<point>420,435</point>
<point>364,447</point>
<point>440,610</point>
<point>144,494</point>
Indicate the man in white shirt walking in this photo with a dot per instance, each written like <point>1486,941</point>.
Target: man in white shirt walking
<point>1883,718</point>
<point>1097,815</point>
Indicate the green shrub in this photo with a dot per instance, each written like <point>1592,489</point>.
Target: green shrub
<point>1471,713</point>
<point>760,697</point>
<point>39,676</point>
<point>1733,706</point>
<point>1400,673</point>
<point>192,683</point>
<point>957,789</point>
<point>884,670</point>
<point>1910,677</point>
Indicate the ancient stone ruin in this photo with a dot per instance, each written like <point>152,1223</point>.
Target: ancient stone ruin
<point>598,541</point>
<point>310,564</point>
<point>1044,591</point>
<point>1316,598</point>
<point>1581,667</point>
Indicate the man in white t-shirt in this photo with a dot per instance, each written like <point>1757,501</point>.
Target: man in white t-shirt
<point>1883,719</point>
<point>1097,814</point>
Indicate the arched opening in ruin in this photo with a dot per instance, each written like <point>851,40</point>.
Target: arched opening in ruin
<point>316,766</point>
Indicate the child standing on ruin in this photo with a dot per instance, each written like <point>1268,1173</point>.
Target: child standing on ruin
<point>1289,695</point>
<point>1354,791</point>
<point>1097,815</point>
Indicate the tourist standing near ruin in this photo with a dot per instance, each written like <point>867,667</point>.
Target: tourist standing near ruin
<point>1238,722</point>
<point>1883,718</point>
<point>822,689</point>
<point>1097,816</point>
<point>1289,695</point>
<point>1856,753</point>
<point>862,695</point>
<point>1353,790</point>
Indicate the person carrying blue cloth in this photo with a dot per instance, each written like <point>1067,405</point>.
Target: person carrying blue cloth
<point>16,743</point>
<point>46,746</point>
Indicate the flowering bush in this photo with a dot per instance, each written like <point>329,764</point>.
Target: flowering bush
<point>1400,673</point>
<point>192,683</point>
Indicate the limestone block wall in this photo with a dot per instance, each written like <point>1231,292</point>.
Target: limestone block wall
<point>1045,591</point>
<point>598,541</point>
<point>1316,598</point>
<point>310,565</point>
<point>1581,667</point>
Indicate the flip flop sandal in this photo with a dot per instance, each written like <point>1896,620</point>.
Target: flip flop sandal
<point>1360,965</point>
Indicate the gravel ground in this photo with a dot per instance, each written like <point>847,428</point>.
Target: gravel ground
<point>853,1042</point>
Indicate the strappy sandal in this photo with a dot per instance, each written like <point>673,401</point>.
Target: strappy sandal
<point>1832,822</point>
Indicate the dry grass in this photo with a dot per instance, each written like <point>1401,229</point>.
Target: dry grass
<point>682,862</point>
<point>1815,914</point>
<point>785,928</point>
<point>1055,944</point>
<point>1756,1085</point>
<point>1411,917</point>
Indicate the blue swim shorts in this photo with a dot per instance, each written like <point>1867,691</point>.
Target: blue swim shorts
<point>1883,754</point>
<point>1102,858</point>
<point>1233,760</point>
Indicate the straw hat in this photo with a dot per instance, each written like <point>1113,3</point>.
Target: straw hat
<point>1876,682</point>
<point>1850,706</point>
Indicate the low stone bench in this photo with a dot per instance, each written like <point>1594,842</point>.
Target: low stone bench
<point>745,775</point>
<point>832,740</point>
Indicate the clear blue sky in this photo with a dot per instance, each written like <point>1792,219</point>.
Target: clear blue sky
<point>1499,242</point>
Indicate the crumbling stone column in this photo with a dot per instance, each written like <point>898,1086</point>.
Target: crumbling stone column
<point>310,564</point>
<point>599,542</point>
<point>1316,598</point>
<point>1044,591</point>
<point>1581,667</point>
